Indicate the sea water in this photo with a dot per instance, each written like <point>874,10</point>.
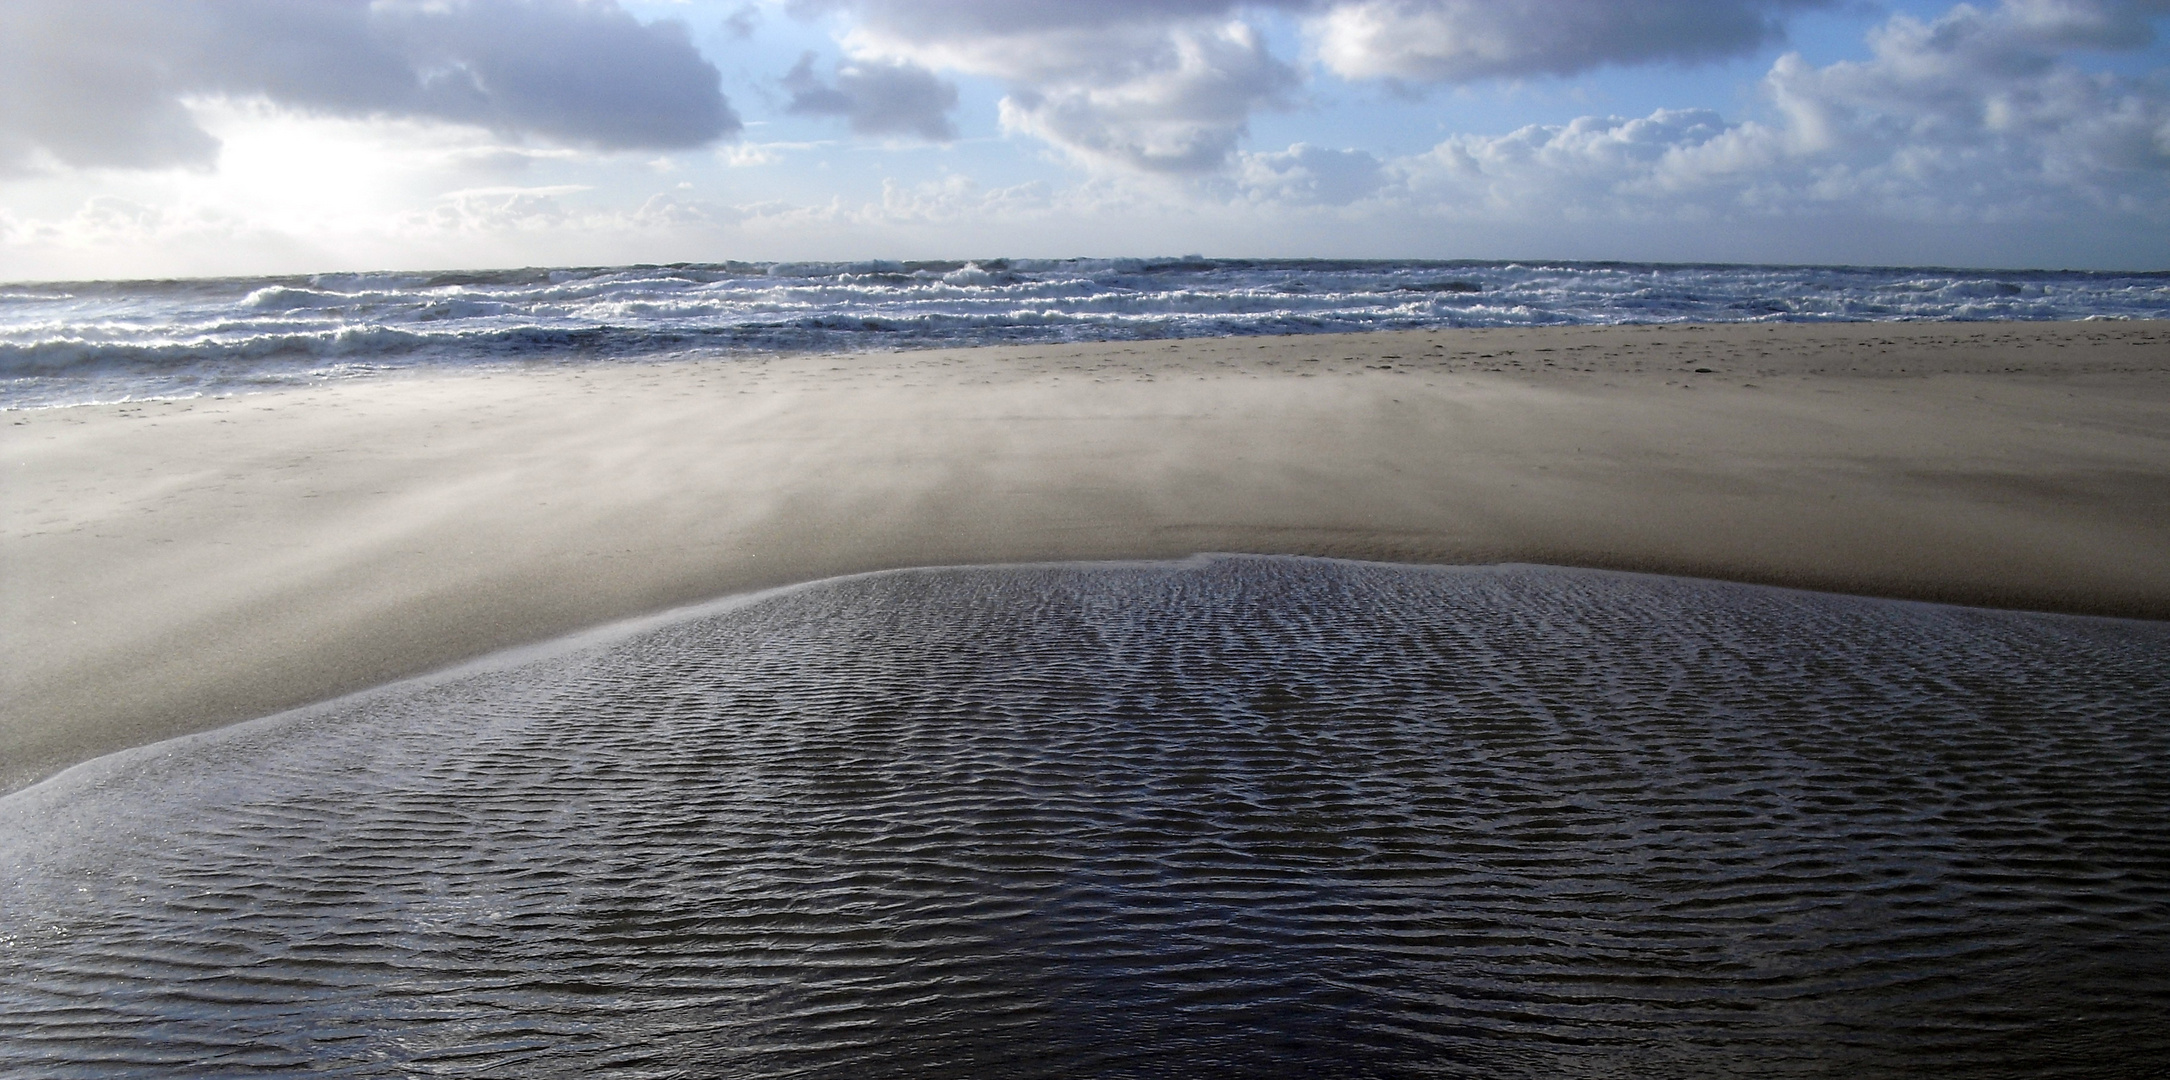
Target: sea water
<point>68,343</point>
<point>1227,816</point>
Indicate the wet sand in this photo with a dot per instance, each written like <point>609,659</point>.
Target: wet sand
<point>1293,817</point>
<point>175,566</point>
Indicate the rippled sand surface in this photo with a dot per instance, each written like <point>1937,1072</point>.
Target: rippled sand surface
<point>1238,816</point>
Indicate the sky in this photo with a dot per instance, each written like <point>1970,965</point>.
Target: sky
<point>204,137</point>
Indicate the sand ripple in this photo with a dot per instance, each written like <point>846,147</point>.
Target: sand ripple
<point>1232,816</point>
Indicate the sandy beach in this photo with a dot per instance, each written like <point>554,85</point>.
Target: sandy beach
<point>176,566</point>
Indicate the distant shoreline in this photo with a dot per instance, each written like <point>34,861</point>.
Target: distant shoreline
<point>74,343</point>
<point>176,566</point>
<point>1004,262</point>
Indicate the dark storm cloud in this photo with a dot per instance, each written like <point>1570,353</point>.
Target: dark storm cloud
<point>877,98</point>
<point>101,82</point>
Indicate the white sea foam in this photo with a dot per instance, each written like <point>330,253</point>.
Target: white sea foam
<point>98,340</point>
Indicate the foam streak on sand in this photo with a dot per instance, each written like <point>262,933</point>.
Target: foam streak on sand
<point>174,566</point>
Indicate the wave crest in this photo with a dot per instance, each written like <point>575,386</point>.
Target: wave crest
<point>90,341</point>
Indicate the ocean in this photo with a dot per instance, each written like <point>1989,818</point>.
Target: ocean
<point>1229,816</point>
<point>73,343</point>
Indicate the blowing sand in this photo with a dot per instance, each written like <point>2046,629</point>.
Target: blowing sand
<point>175,566</point>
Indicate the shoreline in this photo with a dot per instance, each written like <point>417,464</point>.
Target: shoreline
<point>176,566</point>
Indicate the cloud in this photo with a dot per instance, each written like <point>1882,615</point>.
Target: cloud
<point>1169,86</point>
<point>877,97</point>
<point>1311,174</point>
<point>931,21</point>
<point>741,24</point>
<point>108,223</point>
<point>502,210</point>
<point>1421,40</point>
<point>1590,166</point>
<point>677,211</point>
<point>956,198</point>
<point>1975,116</point>
<point>106,82</point>
<point>1984,105</point>
<point>1466,40</point>
<point>1180,111</point>
<point>1154,86</point>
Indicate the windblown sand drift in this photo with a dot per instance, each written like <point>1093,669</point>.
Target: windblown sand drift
<point>174,566</point>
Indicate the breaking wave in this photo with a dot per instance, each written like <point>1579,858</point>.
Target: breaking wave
<point>66,343</point>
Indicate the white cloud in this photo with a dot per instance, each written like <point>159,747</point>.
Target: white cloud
<point>1181,110</point>
<point>1976,116</point>
<point>1310,174</point>
<point>958,197</point>
<point>1466,40</point>
<point>932,21</point>
<point>1169,86</point>
<point>877,98</point>
<point>149,239</point>
<point>491,210</point>
<point>1990,121</point>
<point>107,82</point>
<point>1592,165</point>
<point>677,212</point>
<point>1164,87</point>
<point>746,155</point>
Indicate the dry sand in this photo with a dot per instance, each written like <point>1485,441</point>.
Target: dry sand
<point>175,566</point>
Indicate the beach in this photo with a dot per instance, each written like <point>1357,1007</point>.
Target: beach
<point>174,566</point>
<point>1279,815</point>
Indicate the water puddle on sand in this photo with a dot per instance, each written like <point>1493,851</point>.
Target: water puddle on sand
<point>1229,816</point>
